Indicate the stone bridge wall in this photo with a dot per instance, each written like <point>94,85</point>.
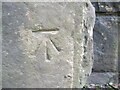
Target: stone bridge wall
<point>106,36</point>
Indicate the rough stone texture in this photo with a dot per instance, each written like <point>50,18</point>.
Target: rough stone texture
<point>47,44</point>
<point>106,36</point>
<point>107,6</point>
<point>119,47</point>
<point>103,78</point>
<point>106,43</point>
<point>0,45</point>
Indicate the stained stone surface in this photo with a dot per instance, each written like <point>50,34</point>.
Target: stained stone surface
<point>106,36</point>
<point>106,27</point>
<point>107,6</point>
<point>100,79</point>
<point>106,43</point>
<point>47,44</point>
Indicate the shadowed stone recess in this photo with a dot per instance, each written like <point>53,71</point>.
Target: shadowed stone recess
<point>47,45</point>
<point>106,37</point>
<point>107,7</point>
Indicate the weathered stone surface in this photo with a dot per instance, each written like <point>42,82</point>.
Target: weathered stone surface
<point>0,45</point>
<point>119,46</point>
<point>106,43</point>
<point>47,44</point>
<point>107,6</point>
<point>101,79</point>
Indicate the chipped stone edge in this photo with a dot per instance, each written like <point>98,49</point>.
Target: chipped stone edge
<point>90,14</point>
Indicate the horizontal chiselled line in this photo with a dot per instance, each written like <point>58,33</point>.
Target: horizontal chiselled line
<point>46,30</point>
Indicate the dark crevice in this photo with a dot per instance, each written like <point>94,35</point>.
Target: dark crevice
<point>84,57</point>
<point>86,4</point>
<point>85,25</point>
<point>67,76</point>
<point>86,39</point>
<point>85,49</point>
<point>108,13</point>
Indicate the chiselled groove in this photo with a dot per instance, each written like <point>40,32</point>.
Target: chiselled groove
<point>45,30</point>
<point>57,48</point>
<point>47,54</point>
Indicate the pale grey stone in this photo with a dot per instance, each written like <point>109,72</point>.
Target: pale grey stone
<point>47,45</point>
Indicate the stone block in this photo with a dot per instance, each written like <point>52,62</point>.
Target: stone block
<point>107,6</point>
<point>106,43</point>
<point>47,45</point>
<point>100,79</point>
